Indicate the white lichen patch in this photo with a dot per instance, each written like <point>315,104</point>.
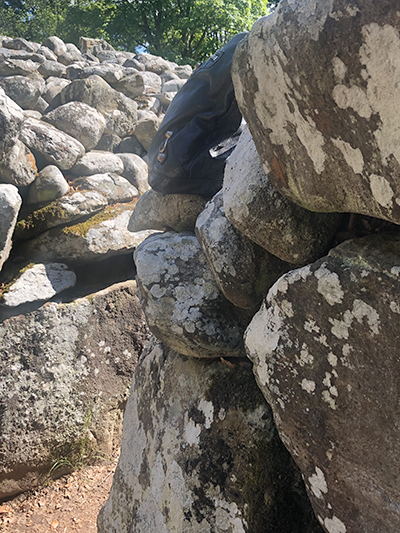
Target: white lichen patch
<point>192,432</point>
<point>352,156</point>
<point>380,55</point>
<point>352,97</point>
<point>339,68</point>
<point>312,15</point>
<point>329,285</point>
<point>334,525</point>
<point>332,359</point>
<point>305,357</point>
<point>207,409</point>
<point>363,310</point>
<point>394,307</point>
<point>317,483</point>
<point>308,385</point>
<point>395,270</point>
<point>381,190</point>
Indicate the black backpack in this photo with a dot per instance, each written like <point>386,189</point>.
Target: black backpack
<point>203,114</point>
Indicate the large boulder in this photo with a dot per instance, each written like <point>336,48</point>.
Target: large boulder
<point>23,90</point>
<point>65,371</point>
<point>325,352</point>
<point>11,119</point>
<point>200,453</point>
<point>119,111</point>
<point>316,83</point>
<point>243,270</point>
<point>255,207</point>
<point>10,203</point>
<point>19,166</point>
<point>50,145</point>
<point>181,299</point>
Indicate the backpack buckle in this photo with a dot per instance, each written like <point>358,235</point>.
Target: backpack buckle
<point>163,146</point>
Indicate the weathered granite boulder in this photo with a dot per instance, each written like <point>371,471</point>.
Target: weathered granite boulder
<point>243,270</point>
<point>181,299</point>
<point>118,110</point>
<point>19,166</point>
<point>146,127</point>
<point>325,352</point>
<point>115,188</point>
<point>10,203</point>
<point>101,236</point>
<point>11,119</point>
<point>52,68</point>
<point>316,84</point>
<point>97,162</point>
<point>172,211</point>
<point>135,171</point>
<point>20,44</point>
<point>200,453</point>
<point>49,185</point>
<point>54,86</point>
<point>65,371</point>
<point>131,85</point>
<point>50,145</point>
<point>153,63</point>
<point>17,67</point>
<point>56,45</point>
<point>38,282</point>
<point>254,206</point>
<point>23,90</point>
<point>64,210</point>
<point>79,120</point>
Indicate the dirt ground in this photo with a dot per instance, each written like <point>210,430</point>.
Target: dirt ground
<point>69,504</point>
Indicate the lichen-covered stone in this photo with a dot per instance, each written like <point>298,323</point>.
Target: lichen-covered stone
<point>50,144</point>
<point>79,120</point>
<point>255,207</point>
<point>97,162</point>
<point>200,454</point>
<point>146,127</point>
<point>19,166</point>
<point>135,171</point>
<point>316,82</point>
<point>243,270</point>
<point>38,282</point>
<point>11,119</point>
<point>325,351</point>
<point>172,211</point>
<point>115,188</point>
<point>10,203</point>
<point>62,211</point>
<point>99,237</point>
<point>24,91</point>
<point>49,185</point>
<point>181,299</point>
<point>65,371</point>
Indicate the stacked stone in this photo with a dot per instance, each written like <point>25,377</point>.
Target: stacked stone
<point>323,133</point>
<point>76,126</point>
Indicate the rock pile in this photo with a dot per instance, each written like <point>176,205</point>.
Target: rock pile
<point>75,125</point>
<point>316,84</point>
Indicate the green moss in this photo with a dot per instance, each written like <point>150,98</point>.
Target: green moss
<point>109,212</point>
<point>41,220</point>
<point>5,287</point>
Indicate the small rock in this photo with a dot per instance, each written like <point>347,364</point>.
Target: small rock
<point>55,44</point>
<point>172,211</point>
<point>22,90</point>
<point>115,188</point>
<point>19,166</point>
<point>97,163</point>
<point>49,185</point>
<point>10,203</point>
<point>135,171</point>
<point>146,127</point>
<point>52,68</point>
<point>11,119</point>
<point>39,282</point>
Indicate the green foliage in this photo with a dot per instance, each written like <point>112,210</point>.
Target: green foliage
<point>185,31</point>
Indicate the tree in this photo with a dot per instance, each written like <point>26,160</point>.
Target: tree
<point>182,30</point>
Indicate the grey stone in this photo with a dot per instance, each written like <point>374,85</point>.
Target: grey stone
<point>172,211</point>
<point>148,103</point>
<point>41,106</point>
<point>52,145</point>
<point>183,71</point>
<point>152,82</point>
<point>131,145</point>
<point>146,127</point>
<point>68,58</point>
<point>17,67</point>
<point>65,371</point>
<point>154,63</point>
<point>48,54</point>
<point>10,203</point>
<point>108,142</point>
<point>49,185</point>
<point>52,68</point>
<point>181,300</point>
<point>255,207</point>
<point>56,45</point>
<point>54,85</point>
<point>95,162</point>
<point>22,90</point>
<point>119,111</point>
<point>243,270</point>
<point>11,119</point>
<point>20,44</point>
<point>38,282</point>
<point>79,120</point>
<point>131,85</point>
<point>68,208</point>
<point>87,44</point>
<point>110,72</point>
<point>100,237</point>
<point>19,166</point>
<point>172,86</point>
<point>135,171</point>
<point>200,453</point>
<point>324,346</point>
<point>115,188</point>
<point>322,118</point>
